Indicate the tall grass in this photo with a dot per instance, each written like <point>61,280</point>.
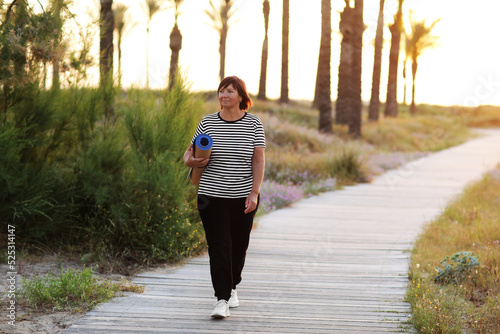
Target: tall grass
<point>418,134</point>
<point>72,173</point>
<point>76,290</point>
<point>295,146</point>
<point>471,303</point>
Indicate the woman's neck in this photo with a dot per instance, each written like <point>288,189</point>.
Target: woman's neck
<point>231,114</point>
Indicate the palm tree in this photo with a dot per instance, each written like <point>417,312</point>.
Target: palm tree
<point>263,65</point>
<point>373,111</point>
<point>220,22</point>
<point>56,6</point>
<point>348,109</point>
<point>323,81</point>
<point>175,45</point>
<point>391,103</point>
<point>122,24</point>
<point>354,120</point>
<point>405,61</point>
<point>106,41</point>
<point>20,10</point>
<point>284,52</point>
<point>151,8</point>
<point>343,103</point>
<point>419,39</point>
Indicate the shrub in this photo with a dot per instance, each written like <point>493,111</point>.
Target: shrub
<point>348,167</point>
<point>72,289</point>
<point>73,173</point>
<point>138,201</point>
<point>457,268</point>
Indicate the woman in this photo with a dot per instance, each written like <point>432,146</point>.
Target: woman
<point>228,194</point>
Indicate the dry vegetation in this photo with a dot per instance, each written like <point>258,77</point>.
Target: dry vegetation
<point>470,301</point>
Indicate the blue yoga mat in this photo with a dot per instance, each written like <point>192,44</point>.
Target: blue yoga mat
<point>203,142</point>
<point>202,147</point>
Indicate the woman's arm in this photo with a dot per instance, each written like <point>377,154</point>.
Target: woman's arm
<point>191,161</point>
<point>258,167</point>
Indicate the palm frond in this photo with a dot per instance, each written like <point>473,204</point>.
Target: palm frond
<point>177,4</point>
<point>123,21</point>
<point>214,14</point>
<point>152,7</point>
<point>419,38</point>
<point>224,12</point>
<point>119,12</point>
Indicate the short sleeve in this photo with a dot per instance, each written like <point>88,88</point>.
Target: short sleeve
<point>260,137</point>
<point>199,130</point>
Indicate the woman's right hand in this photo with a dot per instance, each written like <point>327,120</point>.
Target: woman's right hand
<point>191,161</point>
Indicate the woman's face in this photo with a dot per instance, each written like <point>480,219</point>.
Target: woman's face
<point>229,97</point>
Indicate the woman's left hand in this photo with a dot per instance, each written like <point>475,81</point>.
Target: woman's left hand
<point>251,202</point>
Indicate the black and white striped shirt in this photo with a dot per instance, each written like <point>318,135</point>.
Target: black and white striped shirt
<point>229,170</point>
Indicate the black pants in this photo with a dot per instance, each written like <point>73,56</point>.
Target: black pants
<point>227,229</point>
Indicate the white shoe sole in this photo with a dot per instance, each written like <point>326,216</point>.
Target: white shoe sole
<point>219,316</point>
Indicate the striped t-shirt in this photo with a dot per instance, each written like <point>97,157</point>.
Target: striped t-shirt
<point>229,170</point>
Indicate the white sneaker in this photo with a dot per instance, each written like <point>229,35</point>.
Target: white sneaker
<point>233,301</point>
<point>221,309</point>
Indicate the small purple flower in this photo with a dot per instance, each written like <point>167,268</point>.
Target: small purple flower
<point>275,195</point>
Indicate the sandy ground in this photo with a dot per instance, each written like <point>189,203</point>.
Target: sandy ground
<point>46,321</point>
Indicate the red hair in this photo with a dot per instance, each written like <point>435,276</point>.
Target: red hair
<point>241,88</point>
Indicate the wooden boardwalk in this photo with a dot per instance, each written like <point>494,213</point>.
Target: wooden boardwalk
<point>335,263</point>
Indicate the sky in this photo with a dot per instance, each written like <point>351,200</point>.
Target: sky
<point>463,69</point>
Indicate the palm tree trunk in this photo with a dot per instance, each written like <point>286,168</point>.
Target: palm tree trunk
<point>119,59</point>
<point>404,81</point>
<point>284,52</point>
<point>44,74</point>
<point>413,107</point>
<point>223,39</point>
<point>147,55</point>
<point>323,83</point>
<point>263,71</point>
<point>106,41</point>
<point>58,33</point>
<point>359,27</point>
<point>373,112</point>
<point>343,105</point>
<point>391,104</point>
<point>175,46</point>
<point>55,73</point>
<point>21,18</point>
<point>265,50</point>
<point>315,99</point>
<point>222,51</point>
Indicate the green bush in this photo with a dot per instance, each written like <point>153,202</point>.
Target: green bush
<point>140,204</point>
<point>457,268</point>
<point>347,167</point>
<point>70,289</point>
<point>78,166</point>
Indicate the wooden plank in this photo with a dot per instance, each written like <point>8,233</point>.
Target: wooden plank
<point>334,263</point>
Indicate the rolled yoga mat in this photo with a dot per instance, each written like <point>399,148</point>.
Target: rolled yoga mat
<point>202,147</point>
